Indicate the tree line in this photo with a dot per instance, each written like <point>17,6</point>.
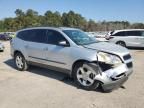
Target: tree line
<point>31,18</point>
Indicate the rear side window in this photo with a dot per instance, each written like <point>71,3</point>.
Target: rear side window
<point>35,35</point>
<point>119,34</point>
<point>133,33</point>
<point>55,37</point>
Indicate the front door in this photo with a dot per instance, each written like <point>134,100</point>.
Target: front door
<point>57,55</point>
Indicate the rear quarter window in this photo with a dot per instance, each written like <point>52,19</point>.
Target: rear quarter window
<point>22,35</point>
<point>34,35</point>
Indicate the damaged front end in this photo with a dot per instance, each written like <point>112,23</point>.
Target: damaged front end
<point>113,71</point>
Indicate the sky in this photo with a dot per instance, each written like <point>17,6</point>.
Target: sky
<point>98,10</point>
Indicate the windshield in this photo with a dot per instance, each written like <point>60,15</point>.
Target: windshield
<point>79,37</point>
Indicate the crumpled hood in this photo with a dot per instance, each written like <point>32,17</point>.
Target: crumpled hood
<point>108,47</point>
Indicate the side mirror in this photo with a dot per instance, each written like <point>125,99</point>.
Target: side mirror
<point>64,43</point>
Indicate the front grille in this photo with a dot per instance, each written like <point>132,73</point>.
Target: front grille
<point>127,57</point>
<point>129,65</point>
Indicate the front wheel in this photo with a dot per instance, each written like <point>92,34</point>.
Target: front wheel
<point>20,62</point>
<point>84,76</point>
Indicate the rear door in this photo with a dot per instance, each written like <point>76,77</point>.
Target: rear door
<point>35,45</point>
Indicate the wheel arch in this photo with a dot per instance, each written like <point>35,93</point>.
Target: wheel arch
<point>120,41</point>
<point>16,52</point>
<point>25,65</point>
<point>98,82</point>
<point>76,62</point>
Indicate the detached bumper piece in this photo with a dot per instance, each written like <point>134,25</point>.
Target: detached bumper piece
<point>114,84</point>
<point>114,77</point>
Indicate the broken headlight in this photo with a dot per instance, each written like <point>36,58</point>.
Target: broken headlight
<point>108,58</point>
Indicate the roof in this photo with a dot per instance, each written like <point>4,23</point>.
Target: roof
<point>54,28</point>
<point>67,28</point>
<point>130,30</point>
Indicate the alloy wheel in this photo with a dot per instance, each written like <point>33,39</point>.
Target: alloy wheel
<point>85,76</point>
<point>19,62</point>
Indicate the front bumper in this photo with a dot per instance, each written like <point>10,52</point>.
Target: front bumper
<point>114,84</point>
<point>114,78</point>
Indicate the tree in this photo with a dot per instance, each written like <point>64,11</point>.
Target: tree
<point>72,19</point>
<point>137,26</point>
<point>2,26</point>
<point>9,24</point>
<point>52,19</point>
<point>91,26</point>
<point>19,12</point>
<point>31,18</point>
<point>19,20</point>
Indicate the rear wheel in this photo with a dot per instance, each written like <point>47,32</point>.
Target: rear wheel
<point>84,76</point>
<point>20,62</point>
<point>121,43</point>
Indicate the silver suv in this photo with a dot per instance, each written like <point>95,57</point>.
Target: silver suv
<point>127,38</point>
<point>91,63</point>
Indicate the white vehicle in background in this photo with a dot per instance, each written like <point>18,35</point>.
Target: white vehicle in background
<point>127,38</point>
<point>1,47</point>
<point>100,36</point>
<point>91,34</point>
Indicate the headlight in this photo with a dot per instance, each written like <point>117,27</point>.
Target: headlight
<point>108,58</point>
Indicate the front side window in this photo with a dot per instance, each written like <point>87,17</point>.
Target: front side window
<point>79,37</point>
<point>55,37</point>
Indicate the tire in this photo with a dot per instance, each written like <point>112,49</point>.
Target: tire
<point>84,76</point>
<point>121,43</point>
<point>20,62</point>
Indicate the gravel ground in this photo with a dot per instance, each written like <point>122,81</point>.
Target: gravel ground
<point>42,88</point>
